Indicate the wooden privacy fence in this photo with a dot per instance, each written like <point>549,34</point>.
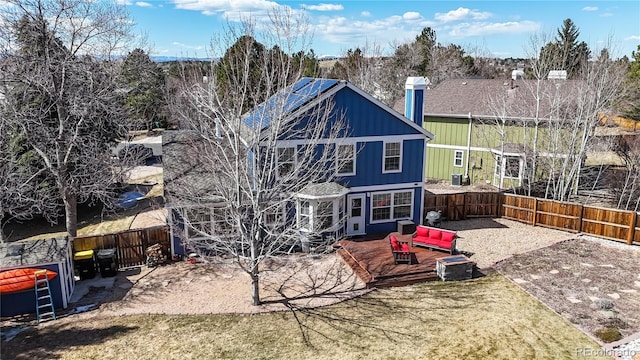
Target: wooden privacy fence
<point>130,245</point>
<point>462,206</point>
<point>620,225</point>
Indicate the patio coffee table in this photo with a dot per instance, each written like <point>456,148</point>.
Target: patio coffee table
<point>455,267</point>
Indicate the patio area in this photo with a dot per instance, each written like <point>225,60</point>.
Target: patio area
<point>371,260</point>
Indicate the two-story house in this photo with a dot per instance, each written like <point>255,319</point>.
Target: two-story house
<point>378,182</point>
<point>490,130</point>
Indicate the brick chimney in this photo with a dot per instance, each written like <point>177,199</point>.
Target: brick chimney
<point>414,98</point>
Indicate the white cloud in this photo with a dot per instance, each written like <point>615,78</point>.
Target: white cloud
<point>462,14</point>
<point>350,33</point>
<point>607,14</point>
<point>324,7</point>
<point>365,14</point>
<point>189,47</point>
<point>483,29</point>
<point>633,37</point>
<point>124,2</point>
<point>232,9</point>
<point>590,8</point>
<point>411,15</point>
<point>143,4</point>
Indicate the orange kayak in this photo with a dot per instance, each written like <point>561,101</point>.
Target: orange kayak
<point>17,280</point>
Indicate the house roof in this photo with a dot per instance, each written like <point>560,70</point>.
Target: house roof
<point>310,91</point>
<point>288,101</point>
<point>323,190</point>
<point>487,97</point>
<point>187,177</point>
<point>33,252</point>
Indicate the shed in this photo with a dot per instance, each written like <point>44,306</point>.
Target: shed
<point>52,254</point>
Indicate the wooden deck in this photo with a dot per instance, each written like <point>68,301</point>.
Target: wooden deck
<point>371,260</point>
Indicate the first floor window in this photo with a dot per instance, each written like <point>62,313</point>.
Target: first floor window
<point>457,158</point>
<point>304,215</point>
<point>324,215</point>
<point>198,222</point>
<point>391,206</point>
<point>274,215</point>
<point>511,166</point>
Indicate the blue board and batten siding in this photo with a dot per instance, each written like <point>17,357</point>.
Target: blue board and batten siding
<point>368,124</point>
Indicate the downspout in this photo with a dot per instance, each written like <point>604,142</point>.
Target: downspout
<point>466,169</point>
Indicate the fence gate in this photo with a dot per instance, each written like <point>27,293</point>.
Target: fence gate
<point>130,245</point>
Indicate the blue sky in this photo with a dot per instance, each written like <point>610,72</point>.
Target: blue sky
<point>501,28</point>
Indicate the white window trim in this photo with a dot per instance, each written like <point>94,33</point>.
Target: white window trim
<point>295,159</point>
<point>461,158</point>
<point>502,159</point>
<point>353,158</point>
<point>280,209</point>
<point>299,214</point>
<point>384,153</point>
<point>391,219</point>
<point>337,222</point>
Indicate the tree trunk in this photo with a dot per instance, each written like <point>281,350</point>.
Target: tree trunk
<point>255,287</point>
<point>71,213</point>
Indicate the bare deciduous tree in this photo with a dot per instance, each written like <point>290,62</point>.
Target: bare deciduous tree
<point>566,112</point>
<point>61,91</point>
<point>252,165</point>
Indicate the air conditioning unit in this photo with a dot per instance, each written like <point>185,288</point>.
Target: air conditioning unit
<point>456,179</point>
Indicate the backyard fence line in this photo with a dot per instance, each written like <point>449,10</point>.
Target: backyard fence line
<point>612,224</point>
<point>130,245</point>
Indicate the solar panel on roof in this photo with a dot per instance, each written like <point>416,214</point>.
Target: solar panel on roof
<point>300,83</point>
<point>297,95</point>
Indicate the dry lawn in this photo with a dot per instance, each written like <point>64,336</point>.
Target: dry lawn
<point>485,318</point>
<point>594,284</point>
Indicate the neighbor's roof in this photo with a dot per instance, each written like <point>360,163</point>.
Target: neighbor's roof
<point>34,252</point>
<point>482,97</point>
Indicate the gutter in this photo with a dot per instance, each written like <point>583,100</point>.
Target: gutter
<point>466,169</point>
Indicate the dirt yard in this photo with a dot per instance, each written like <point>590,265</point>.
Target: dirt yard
<point>595,284</point>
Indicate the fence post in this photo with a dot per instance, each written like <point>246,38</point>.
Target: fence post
<point>632,228</point>
<point>535,211</point>
<point>581,216</point>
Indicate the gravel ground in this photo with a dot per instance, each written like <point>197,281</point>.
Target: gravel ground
<point>491,240</point>
<point>183,288</point>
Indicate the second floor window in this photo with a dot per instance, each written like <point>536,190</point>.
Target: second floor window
<point>392,157</point>
<point>345,159</point>
<point>286,160</point>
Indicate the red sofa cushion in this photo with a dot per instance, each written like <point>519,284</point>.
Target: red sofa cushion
<point>448,237</point>
<point>441,244</point>
<point>435,234</point>
<point>422,231</point>
<point>405,247</point>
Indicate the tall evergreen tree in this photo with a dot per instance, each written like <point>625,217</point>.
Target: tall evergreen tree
<point>145,85</point>
<point>566,52</point>
<point>64,102</point>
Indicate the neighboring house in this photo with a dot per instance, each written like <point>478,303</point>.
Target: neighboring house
<point>485,129</point>
<point>378,183</point>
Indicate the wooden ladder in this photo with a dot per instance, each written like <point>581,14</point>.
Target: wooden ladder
<point>44,302</point>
